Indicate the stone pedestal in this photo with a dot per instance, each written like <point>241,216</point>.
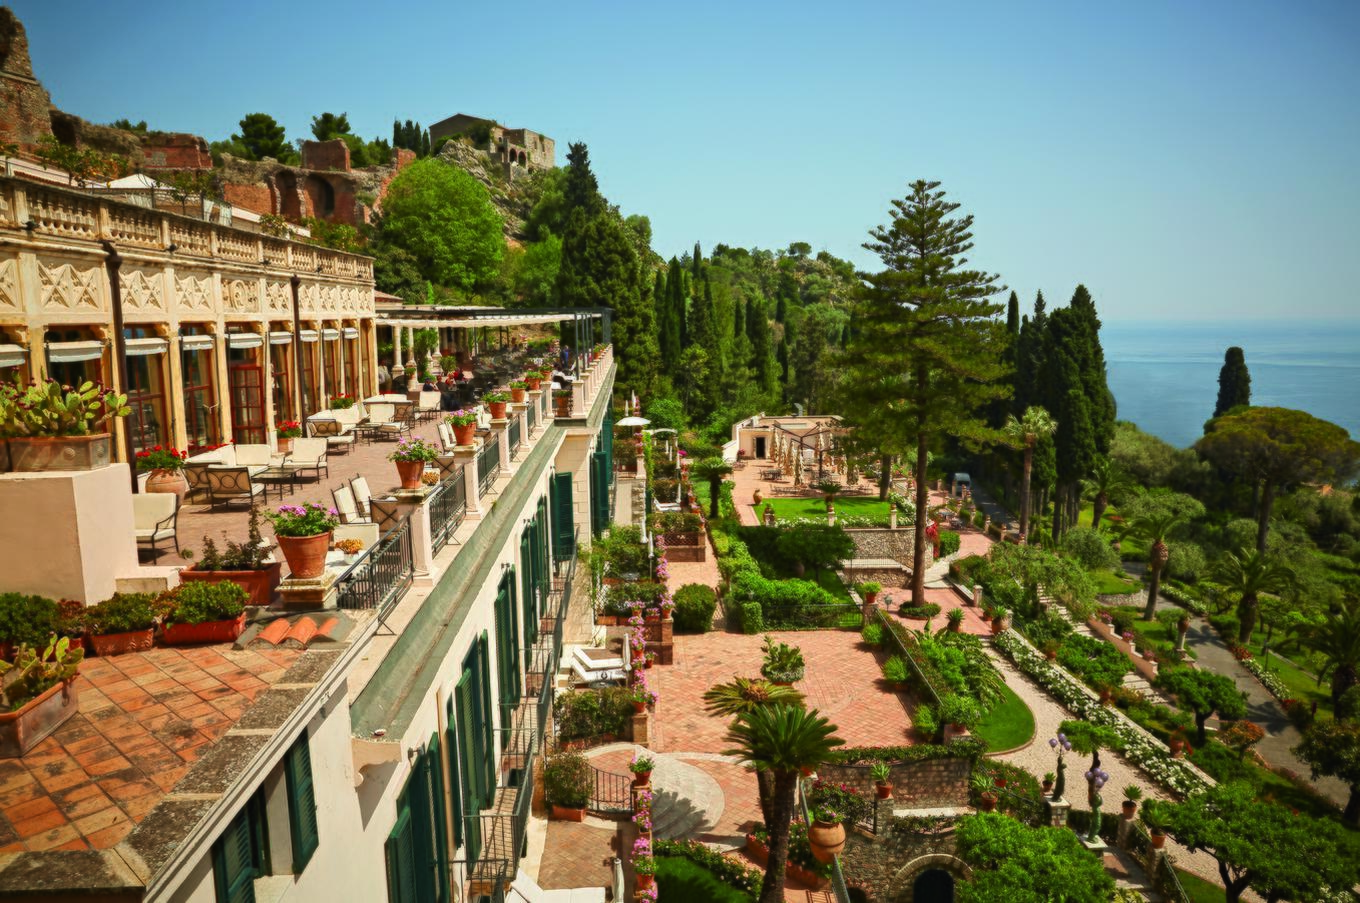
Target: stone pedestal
<point>1055,812</point>
<point>1122,833</point>
<point>424,572</point>
<point>68,534</point>
<point>1096,846</point>
<point>500,429</point>
<point>535,402</point>
<point>977,595</point>
<point>308,594</point>
<point>466,456</point>
<point>640,733</point>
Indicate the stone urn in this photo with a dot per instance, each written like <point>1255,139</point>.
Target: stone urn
<point>160,480</point>
<point>756,497</point>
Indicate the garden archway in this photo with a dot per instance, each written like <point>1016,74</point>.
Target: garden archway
<point>930,879</point>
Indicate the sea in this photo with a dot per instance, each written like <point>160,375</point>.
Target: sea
<point>1164,374</point>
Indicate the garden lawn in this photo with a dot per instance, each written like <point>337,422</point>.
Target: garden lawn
<point>681,880</point>
<point>1222,764</point>
<point>1199,890</point>
<point>1008,725</point>
<point>1106,525</point>
<point>1108,583</point>
<point>1302,684</point>
<point>814,508</point>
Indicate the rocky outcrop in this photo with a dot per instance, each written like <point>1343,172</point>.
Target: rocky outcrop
<point>513,193</point>
<point>24,103</point>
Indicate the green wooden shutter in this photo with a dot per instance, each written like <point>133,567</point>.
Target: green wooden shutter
<point>233,864</point>
<point>456,777</point>
<point>438,820</point>
<point>599,493</point>
<point>563,519</point>
<point>526,590</point>
<point>541,550</point>
<point>301,803</point>
<point>401,862</point>
<point>486,721</point>
<point>469,761</point>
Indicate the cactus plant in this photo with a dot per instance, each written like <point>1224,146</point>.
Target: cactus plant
<point>32,675</point>
<point>51,409</point>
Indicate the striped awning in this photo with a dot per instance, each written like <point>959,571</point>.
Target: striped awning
<point>72,352</point>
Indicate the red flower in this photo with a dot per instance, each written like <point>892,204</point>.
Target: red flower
<point>157,448</point>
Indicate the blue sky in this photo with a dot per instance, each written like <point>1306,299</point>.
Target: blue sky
<point>1183,160</point>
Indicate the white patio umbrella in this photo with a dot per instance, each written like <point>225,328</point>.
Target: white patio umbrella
<point>633,421</point>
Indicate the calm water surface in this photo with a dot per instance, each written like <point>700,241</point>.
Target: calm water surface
<point>1164,375</point>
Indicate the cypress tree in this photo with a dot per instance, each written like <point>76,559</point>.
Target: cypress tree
<point>779,312</point>
<point>1091,359</point>
<point>659,298</point>
<point>424,143</point>
<point>668,324</point>
<point>1234,382</point>
<point>697,262</point>
<point>1013,315</point>
<point>396,133</point>
<point>582,190</point>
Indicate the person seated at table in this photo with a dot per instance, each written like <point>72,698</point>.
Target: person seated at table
<point>428,385</point>
<point>562,379</point>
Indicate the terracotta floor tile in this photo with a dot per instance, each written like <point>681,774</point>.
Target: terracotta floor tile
<point>98,821</point>
<point>38,824</point>
<point>54,838</point>
<point>109,837</point>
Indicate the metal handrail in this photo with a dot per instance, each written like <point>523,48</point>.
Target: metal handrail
<point>381,577</point>
<point>448,507</point>
<point>531,417</point>
<point>513,434</point>
<point>890,634</point>
<point>488,465</point>
<point>611,793</point>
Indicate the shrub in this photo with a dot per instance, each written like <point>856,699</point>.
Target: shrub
<point>752,618</point>
<point>783,663</point>
<point>925,722</point>
<point>895,670</point>
<point>959,709</point>
<point>567,780</point>
<point>676,522</point>
<point>872,634</point>
<point>198,603</point>
<point>949,543</point>
<point>582,714</point>
<point>679,883</point>
<point>26,619</point>
<point>694,608</point>
<point>122,613</point>
<point>1098,664</point>
<point>1090,548</point>
<point>618,600</point>
<point>920,612</point>
<point>1187,562</point>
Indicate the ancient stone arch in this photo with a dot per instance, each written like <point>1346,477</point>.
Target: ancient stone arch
<point>322,195</point>
<point>927,875</point>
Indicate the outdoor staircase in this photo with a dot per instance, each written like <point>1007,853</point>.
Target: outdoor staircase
<point>1133,681</point>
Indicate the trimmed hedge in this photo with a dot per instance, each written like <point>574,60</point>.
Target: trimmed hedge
<point>967,748</point>
<point>728,869</point>
<point>949,543</point>
<point>695,605</point>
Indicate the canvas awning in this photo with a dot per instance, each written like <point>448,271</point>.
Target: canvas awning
<point>152,345</point>
<point>72,352</point>
<point>195,343</point>
<point>244,340</point>
<point>351,332</point>
<point>307,335</point>
<point>330,335</point>
<point>279,337</point>
<point>13,355</point>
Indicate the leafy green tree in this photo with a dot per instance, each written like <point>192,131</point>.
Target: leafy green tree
<point>549,212</point>
<point>1280,854</point>
<point>1247,574</point>
<point>533,271</point>
<point>1337,639</point>
<point>816,546</point>
<point>1234,382</point>
<point>1332,748</point>
<point>1156,529</point>
<point>261,136</point>
<point>741,695</point>
<point>926,350</point>
<point>443,218</point>
<point>1019,864</point>
<point>669,311</point>
<point>1277,448</point>
<point>1203,693</point>
<point>1025,434</point>
<point>330,125</point>
<point>781,739</point>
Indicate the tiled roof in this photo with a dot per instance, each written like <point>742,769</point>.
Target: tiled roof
<point>143,719</point>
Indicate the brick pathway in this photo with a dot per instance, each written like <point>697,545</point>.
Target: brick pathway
<point>143,718</point>
<point>578,855</point>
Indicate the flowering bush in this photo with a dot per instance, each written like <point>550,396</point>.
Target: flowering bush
<point>640,764</point>
<point>461,417</point>
<point>1135,744</point>
<point>642,847</point>
<point>289,429</point>
<point>310,519</point>
<point>414,449</point>
<point>1268,680</point>
<point>161,459</point>
<point>342,402</point>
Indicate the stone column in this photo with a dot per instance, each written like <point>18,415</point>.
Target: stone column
<point>466,456</point>
<point>501,429</point>
<point>174,396</point>
<point>417,503</point>
<point>397,368</point>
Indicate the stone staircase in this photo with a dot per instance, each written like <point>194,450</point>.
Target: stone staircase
<point>1133,681</point>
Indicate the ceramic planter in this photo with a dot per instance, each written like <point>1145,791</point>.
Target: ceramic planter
<point>497,410</point>
<point>409,473</point>
<point>306,555</point>
<point>883,789</point>
<point>208,632</point>
<point>645,881</point>
<point>285,445</point>
<point>642,778</point>
<point>988,801</point>
<point>120,643</point>
<point>639,708</point>
<point>1157,838</point>
<point>167,481</point>
<point>1130,807</point>
<point>25,728</point>
<point>562,406</point>
<point>517,395</point>
<point>532,382</point>
<point>826,839</point>
<point>568,813</point>
<point>463,433</point>
<point>259,584</point>
<point>35,454</point>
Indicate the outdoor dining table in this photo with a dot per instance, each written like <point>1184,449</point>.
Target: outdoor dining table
<point>388,398</point>
<point>772,473</point>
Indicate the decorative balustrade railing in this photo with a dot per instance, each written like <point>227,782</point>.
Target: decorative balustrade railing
<point>448,505</point>
<point>513,435</point>
<point>379,579</point>
<point>488,464</point>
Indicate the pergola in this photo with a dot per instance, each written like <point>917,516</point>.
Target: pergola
<point>472,319</point>
<point>792,448</point>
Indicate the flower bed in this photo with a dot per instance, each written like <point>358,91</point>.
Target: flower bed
<point>1273,684</point>
<point>725,868</point>
<point>1136,745</point>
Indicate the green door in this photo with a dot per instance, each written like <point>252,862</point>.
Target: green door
<point>563,518</point>
<point>470,755</point>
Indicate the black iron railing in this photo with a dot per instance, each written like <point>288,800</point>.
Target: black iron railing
<point>531,417</point>
<point>897,646</point>
<point>611,793</point>
<point>448,505</point>
<point>488,465</point>
<point>487,881</point>
<point>379,579</point>
<point>512,434</point>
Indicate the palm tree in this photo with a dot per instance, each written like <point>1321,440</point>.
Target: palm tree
<point>782,740</point>
<point>1246,574</point>
<point>1338,639</point>
<point>1155,528</point>
<point>1025,433</point>
<point>1106,479</point>
<point>713,470</point>
<point>740,696</point>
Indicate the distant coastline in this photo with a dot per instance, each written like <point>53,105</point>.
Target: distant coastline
<point>1164,373</point>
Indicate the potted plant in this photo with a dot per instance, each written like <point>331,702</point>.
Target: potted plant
<point>304,534</point>
<point>895,672</point>
<point>567,782</point>
<point>1132,794</point>
<point>287,431</point>
<point>533,379</point>
<point>1105,691</point>
<point>1000,620</point>
<point>645,869</point>
<point>204,613</point>
<point>1051,648</point>
<point>71,622</point>
<point>960,712</point>
<point>53,427</point>
<point>1049,778</point>
<point>37,694</point>
<point>1176,743</point>
<point>342,402</point>
<point>517,390</point>
<point>1154,819</point>
<point>869,590</point>
<point>826,834</point>
<point>984,790</point>
<point>495,402</point>
<point>641,767</point>
<point>562,402</point>
<point>25,621</point>
<point>125,622</point>
<point>464,423</point>
<point>881,773</point>
<point>783,663</point>
<point>955,618</point>
<point>829,489</point>
<point>411,455</point>
<point>241,563</point>
<point>164,468</point>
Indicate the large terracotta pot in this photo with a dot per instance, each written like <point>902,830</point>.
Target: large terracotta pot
<point>208,632</point>
<point>464,433</point>
<point>32,723</point>
<point>259,584</point>
<point>120,643</point>
<point>409,472</point>
<point>533,382</point>
<point>35,454</point>
<point>516,395</point>
<point>645,881</point>
<point>306,555</point>
<point>167,481</point>
<point>883,789</point>
<point>285,445</point>
<point>497,410</point>
<point>826,840</point>
<point>642,778</point>
<point>562,406</point>
<point>1157,838</point>
<point>566,813</point>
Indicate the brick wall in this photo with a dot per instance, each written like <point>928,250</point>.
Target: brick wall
<point>881,542</point>
<point>258,198</point>
<point>333,154</point>
<point>926,784</point>
<point>175,151</point>
<point>24,117</point>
